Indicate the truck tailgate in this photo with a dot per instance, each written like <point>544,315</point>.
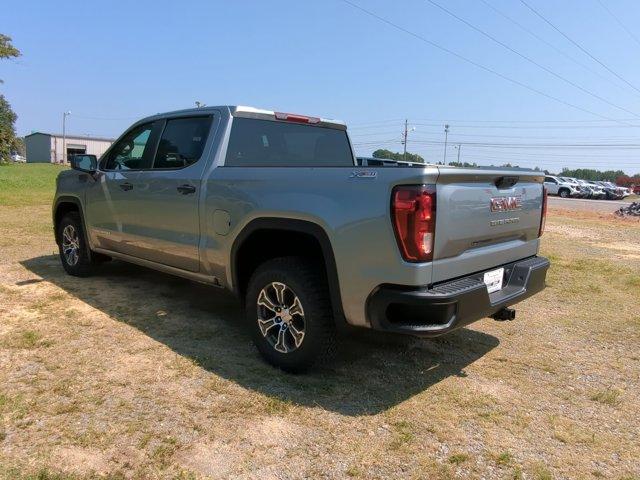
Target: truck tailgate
<point>485,218</point>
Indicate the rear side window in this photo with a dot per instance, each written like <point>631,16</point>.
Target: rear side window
<point>264,143</point>
<point>182,142</point>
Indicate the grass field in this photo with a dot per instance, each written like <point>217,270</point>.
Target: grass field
<point>28,184</point>
<point>136,374</point>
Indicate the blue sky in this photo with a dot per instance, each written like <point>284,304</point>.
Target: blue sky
<point>113,62</point>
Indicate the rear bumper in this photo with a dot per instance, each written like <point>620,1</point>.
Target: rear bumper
<point>430,312</point>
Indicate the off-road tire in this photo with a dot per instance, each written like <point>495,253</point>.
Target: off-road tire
<point>87,260</point>
<point>309,283</point>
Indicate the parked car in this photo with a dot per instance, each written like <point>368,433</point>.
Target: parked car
<point>589,190</point>
<point>16,157</point>
<point>582,191</point>
<point>636,190</point>
<point>598,191</point>
<point>612,191</point>
<point>562,188</point>
<point>273,207</point>
<point>626,191</point>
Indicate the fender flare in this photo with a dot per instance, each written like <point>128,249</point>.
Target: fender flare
<point>300,226</point>
<point>76,201</point>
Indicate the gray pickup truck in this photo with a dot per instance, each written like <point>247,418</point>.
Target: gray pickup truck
<point>274,207</point>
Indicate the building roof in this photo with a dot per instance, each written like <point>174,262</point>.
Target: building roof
<point>73,137</point>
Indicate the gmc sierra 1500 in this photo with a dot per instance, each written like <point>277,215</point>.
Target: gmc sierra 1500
<point>274,207</point>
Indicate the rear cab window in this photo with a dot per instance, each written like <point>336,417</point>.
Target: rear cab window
<point>265,143</point>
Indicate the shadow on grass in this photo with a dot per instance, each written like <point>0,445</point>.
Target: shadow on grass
<point>372,372</point>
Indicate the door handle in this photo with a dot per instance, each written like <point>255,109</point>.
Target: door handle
<point>126,186</point>
<point>186,189</point>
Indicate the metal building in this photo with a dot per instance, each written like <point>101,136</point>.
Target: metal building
<point>47,147</point>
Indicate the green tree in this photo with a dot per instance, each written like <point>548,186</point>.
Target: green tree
<point>7,50</point>
<point>590,174</point>
<point>8,141</point>
<point>20,146</point>
<point>463,164</point>
<point>411,157</point>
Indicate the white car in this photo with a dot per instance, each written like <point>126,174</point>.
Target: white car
<point>16,157</point>
<point>560,187</point>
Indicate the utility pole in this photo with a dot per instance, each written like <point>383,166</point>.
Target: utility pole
<point>446,136</point>
<point>404,139</point>
<point>64,135</point>
<point>459,147</point>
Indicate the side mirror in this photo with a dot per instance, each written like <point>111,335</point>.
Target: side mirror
<point>84,163</point>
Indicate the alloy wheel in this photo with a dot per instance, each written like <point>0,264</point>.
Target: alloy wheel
<point>281,317</point>
<point>70,245</point>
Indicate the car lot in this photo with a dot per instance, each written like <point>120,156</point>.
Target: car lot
<point>135,374</point>
<point>582,204</point>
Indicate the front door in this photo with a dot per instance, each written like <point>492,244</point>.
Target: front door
<point>111,210</point>
<point>168,229</point>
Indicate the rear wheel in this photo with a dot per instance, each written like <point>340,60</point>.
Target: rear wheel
<point>76,258</point>
<point>564,193</point>
<point>289,313</point>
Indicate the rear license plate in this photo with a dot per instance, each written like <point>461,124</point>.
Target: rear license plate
<point>493,280</point>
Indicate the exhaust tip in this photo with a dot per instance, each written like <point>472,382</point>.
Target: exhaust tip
<point>504,314</point>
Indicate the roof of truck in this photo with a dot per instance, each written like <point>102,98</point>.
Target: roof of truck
<point>252,112</point>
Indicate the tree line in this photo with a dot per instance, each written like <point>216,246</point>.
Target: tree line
<point>616,176</point>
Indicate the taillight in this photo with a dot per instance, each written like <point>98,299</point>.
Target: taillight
<point>543,217</point>
<point>292,117</point>
<point>413,212</point>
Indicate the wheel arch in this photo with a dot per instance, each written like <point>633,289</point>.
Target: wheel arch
<point>64,205</point>
<point>303,233</point>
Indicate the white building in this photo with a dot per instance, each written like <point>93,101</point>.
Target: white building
<point>47,147</point>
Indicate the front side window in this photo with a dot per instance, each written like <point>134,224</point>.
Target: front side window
<point>265,143</point>
<point>182,142</point>
<point>132,152</point>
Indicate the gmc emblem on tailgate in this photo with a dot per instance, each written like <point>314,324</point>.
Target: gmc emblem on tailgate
<point>505,204</point>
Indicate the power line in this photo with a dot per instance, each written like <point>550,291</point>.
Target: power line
<point>84,117</point>
<point>624,27</point>
<point>582,49</point>
<point>353,126</point>
<point>544,127</point>
<point>376,123</point>
<point>629,146</point>
<point>472,62</point>
<point>484,135</point>
<point>529,59</point>
<point>549,44</point>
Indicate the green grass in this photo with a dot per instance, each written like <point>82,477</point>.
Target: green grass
<point>607,397</point>
<point>28,183</point>
<point>458,458</point>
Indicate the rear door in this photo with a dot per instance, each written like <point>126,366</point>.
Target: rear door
<point>484,219</point>
<point>167,194</point>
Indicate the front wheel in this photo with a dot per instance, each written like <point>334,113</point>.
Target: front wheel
<point>75,256</point>
<point>564,193</point>
<point>289,313</point>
